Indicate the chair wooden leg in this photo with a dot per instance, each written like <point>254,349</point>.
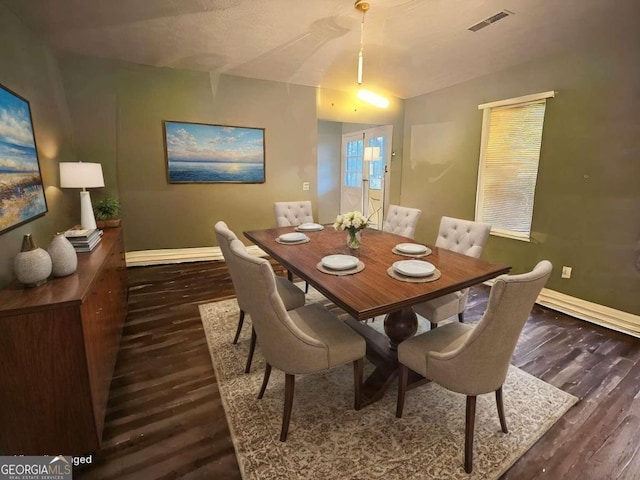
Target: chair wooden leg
<point>468,433</point>
<point>358,367</point>
<point>402,389</point>
<point>265,380</point>
<point>503,421</point>
<point>240,322</point>
<point>306,287</point>
<point>289,384</point>
<point>461,317</point>
<point>433,325</point>
<point>289,276</point>
<point>252,347</point>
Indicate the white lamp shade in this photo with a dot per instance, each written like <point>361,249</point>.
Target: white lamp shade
<point>371,154</point>
<point>81,175</point>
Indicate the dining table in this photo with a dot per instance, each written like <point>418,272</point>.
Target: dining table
<point>374,289</point>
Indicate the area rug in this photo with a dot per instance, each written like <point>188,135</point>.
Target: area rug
<point>329,440</point>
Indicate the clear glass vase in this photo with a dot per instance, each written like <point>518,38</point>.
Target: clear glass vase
<point>353,239</point>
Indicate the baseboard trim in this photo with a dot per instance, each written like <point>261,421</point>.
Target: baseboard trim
<point>591,312</point>
<point>144,258</point>
<point>607,317</point>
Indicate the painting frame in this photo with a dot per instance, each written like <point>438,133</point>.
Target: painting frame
<point>22,197</point>
<point>213,153</point>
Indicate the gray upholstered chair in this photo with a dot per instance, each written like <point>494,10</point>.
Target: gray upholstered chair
<point>473,360</point>
<point>305,340</point>
<point>401,220</point>
<point>462,236</point>
<point>292,296</point>
<point>292,214</point>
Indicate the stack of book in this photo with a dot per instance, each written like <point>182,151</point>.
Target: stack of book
<point>85,239</point>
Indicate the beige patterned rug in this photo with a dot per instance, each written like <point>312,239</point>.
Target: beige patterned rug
<point>329,440</point>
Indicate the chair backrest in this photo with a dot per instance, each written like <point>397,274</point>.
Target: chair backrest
<point>401,220</point>
<point>283,344</point>
<point>291,214</point>
<point>463,236</point>
<point>225,236</point>
<point>480,363</point>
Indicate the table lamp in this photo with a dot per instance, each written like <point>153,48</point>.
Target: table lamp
<point>371,154</point>
<point>82,175</point>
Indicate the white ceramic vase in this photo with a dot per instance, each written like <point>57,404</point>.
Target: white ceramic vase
<point>64,258</point>
<point>32,265</point>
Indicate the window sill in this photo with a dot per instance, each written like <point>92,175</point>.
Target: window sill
<point>512,235</point>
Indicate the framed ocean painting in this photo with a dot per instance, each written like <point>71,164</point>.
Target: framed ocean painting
<point>21,192</point>
<point>201,153</point>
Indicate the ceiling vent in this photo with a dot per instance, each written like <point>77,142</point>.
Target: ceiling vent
<point>488,21</point>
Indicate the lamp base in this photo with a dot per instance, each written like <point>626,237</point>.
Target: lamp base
<point>87,219</point>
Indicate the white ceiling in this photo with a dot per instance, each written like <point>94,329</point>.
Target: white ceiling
<point>411,46</point>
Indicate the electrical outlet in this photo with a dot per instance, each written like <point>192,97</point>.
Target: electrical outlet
<point>566,272</point>
<point>305,185</point>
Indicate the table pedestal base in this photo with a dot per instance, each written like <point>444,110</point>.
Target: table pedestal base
<point>400,325</point>
<point>383,354</point>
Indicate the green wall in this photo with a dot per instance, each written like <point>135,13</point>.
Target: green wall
<point>28,68</point>
<point>132,101</point>
<point>329,168</point>
<point>587,203</point>
<point>117,111</point>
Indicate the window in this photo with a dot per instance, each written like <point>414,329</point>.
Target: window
<point>509,155</point>
<point>353,158</point>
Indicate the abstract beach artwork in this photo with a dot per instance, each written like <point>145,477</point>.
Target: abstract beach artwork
<point>201,153</point>
<point>21,192</point>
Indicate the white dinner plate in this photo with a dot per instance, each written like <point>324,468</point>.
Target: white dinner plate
<point>411,248</point>
<point>292,237</point>
<point>414,268</point>
<point>339,262</point>
<point>310,227</point>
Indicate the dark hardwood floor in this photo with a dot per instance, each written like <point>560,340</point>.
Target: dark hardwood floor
<point>165,419</point>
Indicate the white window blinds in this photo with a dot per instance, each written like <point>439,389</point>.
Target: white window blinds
<point>509,155</point>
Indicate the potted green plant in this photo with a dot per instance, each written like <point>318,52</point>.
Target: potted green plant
<point>106,212</point>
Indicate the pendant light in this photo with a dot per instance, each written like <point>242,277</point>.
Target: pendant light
<point>366,95</point>
<point>361,6</point>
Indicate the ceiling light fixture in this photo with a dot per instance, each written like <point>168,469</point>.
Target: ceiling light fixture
<point>366,95</point>
<point>361,6</point>
<point>373,98</point>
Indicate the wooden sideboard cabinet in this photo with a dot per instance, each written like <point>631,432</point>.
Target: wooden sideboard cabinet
<point>58,348</point>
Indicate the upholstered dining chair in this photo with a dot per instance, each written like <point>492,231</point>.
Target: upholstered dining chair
<point>401,220</point>
<point>292,214</point>
<point>462,236</point>
<point>474,360</point>
<point>292,297</point>
<point>306,340</point>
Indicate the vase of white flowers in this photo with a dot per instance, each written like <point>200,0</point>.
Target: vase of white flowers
<point>353,223</point>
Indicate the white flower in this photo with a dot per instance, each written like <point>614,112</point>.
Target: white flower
<point>354,221</point>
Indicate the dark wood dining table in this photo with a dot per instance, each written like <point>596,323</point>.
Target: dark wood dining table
<point>372,291</point>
